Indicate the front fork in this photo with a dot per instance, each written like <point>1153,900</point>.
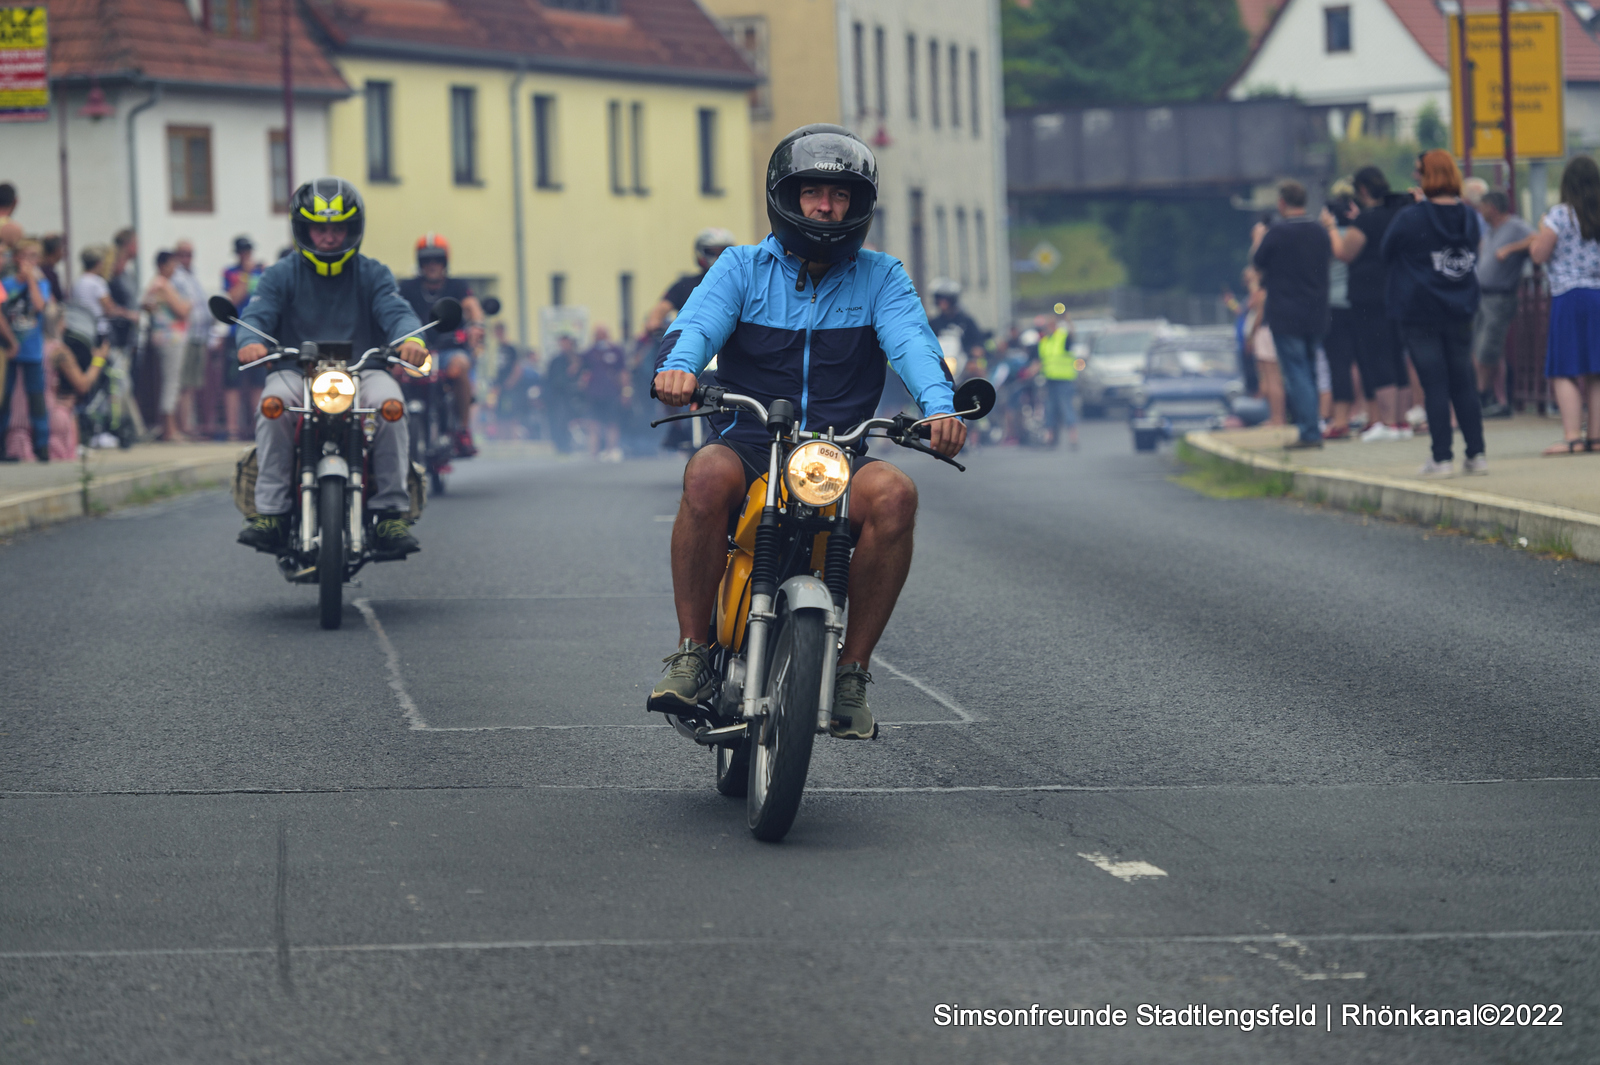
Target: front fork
<point>308,470</point>
<point>763,586</point>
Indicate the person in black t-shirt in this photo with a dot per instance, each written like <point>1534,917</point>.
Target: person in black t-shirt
<point>432,283</point>
<point>708,244</point>
<point>1384,378</point>
<point>1293,258</point>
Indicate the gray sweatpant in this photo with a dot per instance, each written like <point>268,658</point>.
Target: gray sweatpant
<point>275,475</point>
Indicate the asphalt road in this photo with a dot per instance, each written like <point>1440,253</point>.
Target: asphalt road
<point>1147,747</point>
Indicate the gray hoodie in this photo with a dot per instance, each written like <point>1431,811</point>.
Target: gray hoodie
<point>361,304</point>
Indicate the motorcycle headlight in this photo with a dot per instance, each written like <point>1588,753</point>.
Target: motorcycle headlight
<point>333,391</point>
<point>818,472</point>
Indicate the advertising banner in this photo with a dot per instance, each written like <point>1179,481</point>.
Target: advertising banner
<point>24,65</point>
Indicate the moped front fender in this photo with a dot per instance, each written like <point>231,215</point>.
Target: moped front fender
<point>807,593</point>
<point>332,466</point>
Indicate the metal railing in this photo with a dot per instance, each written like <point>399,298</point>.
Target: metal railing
<point>1525,346</point>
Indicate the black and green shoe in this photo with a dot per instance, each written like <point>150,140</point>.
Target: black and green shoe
<point>392,536</point>
<point>266,532</point>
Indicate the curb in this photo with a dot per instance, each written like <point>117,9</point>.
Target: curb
<point>1479,513</point>
<point>46,506</point>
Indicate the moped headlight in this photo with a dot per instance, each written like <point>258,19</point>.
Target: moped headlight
<point>818,472</point>
<point>333,391</point>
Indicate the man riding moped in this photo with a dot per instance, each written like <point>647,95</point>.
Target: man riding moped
<point>807,316</point>
<point>328,291</point>
<point>458,350</point>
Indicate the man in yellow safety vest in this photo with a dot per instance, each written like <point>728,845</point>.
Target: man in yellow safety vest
<point>1060,368</point>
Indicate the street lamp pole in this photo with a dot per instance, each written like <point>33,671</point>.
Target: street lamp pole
<point>1507,111</point>
<point>288,105</point>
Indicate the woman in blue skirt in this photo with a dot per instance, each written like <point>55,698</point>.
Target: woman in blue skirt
<point>1568,244</point>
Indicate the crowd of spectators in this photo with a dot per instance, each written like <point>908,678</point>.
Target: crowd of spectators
<point>1390,318</point>
<point>100,361</point>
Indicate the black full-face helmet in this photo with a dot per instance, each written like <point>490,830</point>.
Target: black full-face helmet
<point>832,154</point>
<point>328,201</point>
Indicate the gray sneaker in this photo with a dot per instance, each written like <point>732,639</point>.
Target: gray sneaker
<point>688,680</point>
<point>852,719</point>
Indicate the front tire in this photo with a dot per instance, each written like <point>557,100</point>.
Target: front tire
<point>330,555</point>
<point>778,766</point>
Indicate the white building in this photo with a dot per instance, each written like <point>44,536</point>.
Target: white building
<point>920,82</point>
<point>1386,59</point>
<point>173,118</point>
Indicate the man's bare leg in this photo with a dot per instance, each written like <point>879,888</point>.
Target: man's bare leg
<point>713,488</point>
<point>883,512</point>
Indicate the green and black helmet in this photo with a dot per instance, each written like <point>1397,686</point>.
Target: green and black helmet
<point>328,201</point>
<point>821,153</point>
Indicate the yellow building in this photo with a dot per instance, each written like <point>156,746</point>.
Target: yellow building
<point>569,150</point>
<point>919,80</point>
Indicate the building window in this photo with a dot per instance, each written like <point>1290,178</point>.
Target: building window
<point>614,146</point>
<point>558,289</point>
<point>858,61</point>
<point>911,76</point>
<point>955,87</point>
<point>625,308</point>
<point>919,243</point>
<point>636,169</point>
<point>380,131</point>
<point>748,34</point>
<point>464,134</point>
<point>941,234</point>
<point>963,256</point>
<point>981,231</point>
<point>880,59</point>
<point>972,87</point>
<point>1336,28</point>
<point>709,177</point>
<point>189,167</point>
<point>234,18</point>
<point>544,143</point>
<point>278,156</point>
<point>933,84</point>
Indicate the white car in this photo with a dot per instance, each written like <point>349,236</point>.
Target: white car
<point>1115,364</point>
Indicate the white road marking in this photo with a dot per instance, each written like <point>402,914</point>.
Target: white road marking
<point>1124,871</point>
<point>1287,943</point>
<point>417,723</point>
<point>567,944</point>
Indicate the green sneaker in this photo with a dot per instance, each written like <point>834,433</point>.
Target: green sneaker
<point>688,680</point>
<point>852,719</point>
<point>265,532</point>
<point>392,536</point>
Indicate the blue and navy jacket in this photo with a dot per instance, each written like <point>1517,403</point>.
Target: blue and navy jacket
<point>823,349</point>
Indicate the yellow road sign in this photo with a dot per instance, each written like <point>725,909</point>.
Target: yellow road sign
<point>1537,86</point>
<point>24,70</point>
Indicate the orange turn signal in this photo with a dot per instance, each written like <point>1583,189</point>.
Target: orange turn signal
<point>272,407</point>
<point>392,410</point>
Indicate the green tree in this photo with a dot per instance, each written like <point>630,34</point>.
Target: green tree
<point>1130,51</point>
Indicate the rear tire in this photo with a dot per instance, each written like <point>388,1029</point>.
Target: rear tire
<point>733,770</point>
<point>778,768</point>
<point>330,554</point>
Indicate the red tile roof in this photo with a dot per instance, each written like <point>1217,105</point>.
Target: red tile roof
<point>160,41</point>
<point>1257,16</point>
<point>667,39</point>
<point>1581,53</point>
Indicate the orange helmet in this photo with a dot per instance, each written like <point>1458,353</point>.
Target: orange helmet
<point>431,246</point>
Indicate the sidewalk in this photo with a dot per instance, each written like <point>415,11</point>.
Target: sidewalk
<point>34,494</point>
<point>1553,501</point>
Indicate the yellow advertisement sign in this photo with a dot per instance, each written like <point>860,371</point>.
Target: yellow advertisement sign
<point>1537,87</point>
<point>24,64</point>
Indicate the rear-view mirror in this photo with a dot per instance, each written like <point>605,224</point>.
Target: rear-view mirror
<point>491,306</point>
<point>222,308</point>
<point>446,314</point>
<point>975,399</point>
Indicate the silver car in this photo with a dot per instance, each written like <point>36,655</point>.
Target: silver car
<point>1115,367</point>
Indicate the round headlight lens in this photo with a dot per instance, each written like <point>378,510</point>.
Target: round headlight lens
<point>333,391</point>
<point>818,472</point>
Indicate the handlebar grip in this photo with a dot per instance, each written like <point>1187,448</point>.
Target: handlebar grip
<point>925,431</point>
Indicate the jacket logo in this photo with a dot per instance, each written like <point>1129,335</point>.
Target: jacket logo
<point>1455,263</point>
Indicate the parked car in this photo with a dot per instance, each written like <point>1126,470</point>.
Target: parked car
<point>1190,382</point>
<point>1115,365</point>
